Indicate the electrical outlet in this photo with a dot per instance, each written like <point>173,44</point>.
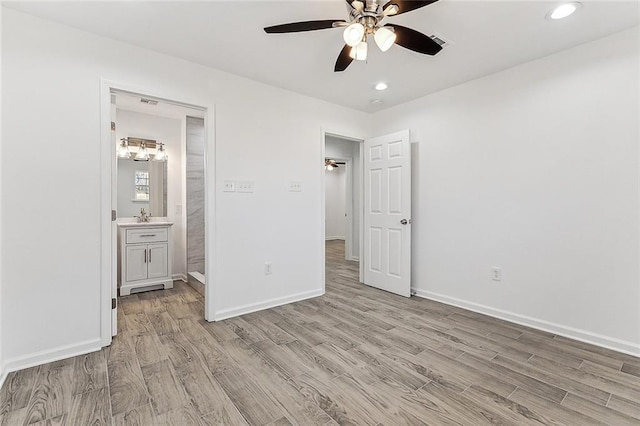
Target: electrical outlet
<point>244,186</point>
<point>267,268</point>
<point>295,186</point>
<point>496,273</point>
<point>229,186</point>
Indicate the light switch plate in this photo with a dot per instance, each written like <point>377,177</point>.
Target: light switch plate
<point>295,186</point>
<point>178,208</point>
<point>229,186</point>
<point>244,186</point>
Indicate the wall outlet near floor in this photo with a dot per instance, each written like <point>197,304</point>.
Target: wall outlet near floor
<point>496,273</point>
<point>267,268</point>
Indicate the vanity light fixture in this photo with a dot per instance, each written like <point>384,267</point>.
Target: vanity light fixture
<point>123,149</point>
<point>564,10</point>
<point>142,154</point>
<point>161,154</point>
<point>143,149</point>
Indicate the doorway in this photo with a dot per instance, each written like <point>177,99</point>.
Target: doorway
<point>133,120</point>
<point>381,207</point>
<point>342,211</point>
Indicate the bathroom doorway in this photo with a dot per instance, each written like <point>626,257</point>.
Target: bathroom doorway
<point>155,179</point>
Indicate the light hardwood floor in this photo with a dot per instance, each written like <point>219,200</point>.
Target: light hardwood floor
<point>354,356</point>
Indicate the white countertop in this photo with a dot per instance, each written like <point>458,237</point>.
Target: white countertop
<point>144,224</point>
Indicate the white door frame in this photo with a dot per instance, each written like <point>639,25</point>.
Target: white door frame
<point>360,141</point>
<point>108,156</point>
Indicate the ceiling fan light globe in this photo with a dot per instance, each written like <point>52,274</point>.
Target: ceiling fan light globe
<point>353,34</point>
<point>359,52</point>
<point>384,38</point>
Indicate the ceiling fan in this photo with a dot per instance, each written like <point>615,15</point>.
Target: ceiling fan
<point>330,164</point>
<point>365,18</point>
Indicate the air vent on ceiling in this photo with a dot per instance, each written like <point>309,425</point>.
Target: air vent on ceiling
<point>148,101</point>
<point>438,39</point>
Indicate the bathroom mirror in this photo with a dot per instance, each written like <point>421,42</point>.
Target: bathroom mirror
<point>142,184</point>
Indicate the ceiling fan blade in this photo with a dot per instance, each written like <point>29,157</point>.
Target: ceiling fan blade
<point>344,60</point>
<point>408,5</point>
<point>296,27</point>
<point>414,40</point>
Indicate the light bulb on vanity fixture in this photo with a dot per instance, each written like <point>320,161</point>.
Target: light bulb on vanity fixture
<point>143,153</point>
<point>123,149</point>
<point>161,154</point>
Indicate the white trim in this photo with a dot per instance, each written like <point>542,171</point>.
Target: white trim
<point>334,238</point>
<point>247,309</point>
<point>45,357</point>
<point>607,342</point>
<point>181,277</point>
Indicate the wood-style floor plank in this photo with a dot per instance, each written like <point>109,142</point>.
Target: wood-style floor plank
<point>354,356</point>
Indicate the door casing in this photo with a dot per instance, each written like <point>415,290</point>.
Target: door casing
<point>108,261</point>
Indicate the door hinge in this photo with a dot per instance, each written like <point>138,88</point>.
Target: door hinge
<point>113,126</point>
<point>114,215</point>
<point>113,303</point>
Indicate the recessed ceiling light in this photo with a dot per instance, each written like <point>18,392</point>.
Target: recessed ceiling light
<point>381,86</point>
<point>564,10</point>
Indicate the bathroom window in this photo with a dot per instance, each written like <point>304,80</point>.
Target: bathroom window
<point>142,185</point>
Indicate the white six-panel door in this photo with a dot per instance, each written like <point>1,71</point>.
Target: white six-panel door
<point>387,213</point>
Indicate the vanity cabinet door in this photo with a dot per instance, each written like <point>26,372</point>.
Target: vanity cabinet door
<point>157,262</point>
<point>136,262</point>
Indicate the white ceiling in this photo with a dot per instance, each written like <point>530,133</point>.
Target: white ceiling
<point>485,36</point>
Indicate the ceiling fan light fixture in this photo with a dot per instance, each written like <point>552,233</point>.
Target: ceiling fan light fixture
<point>564,10</point>
<point>353,34</point>
<point>384,37</point>
<point>359,52</point>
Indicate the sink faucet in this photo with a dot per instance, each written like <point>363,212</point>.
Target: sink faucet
<point>143,216</point>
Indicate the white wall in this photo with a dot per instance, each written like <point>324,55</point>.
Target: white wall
<point>534,170</point>
<point>2,369</point>
<point>335,203</point>
<point>168,131</point>
<point>347,149</point>
<point>51,75</point>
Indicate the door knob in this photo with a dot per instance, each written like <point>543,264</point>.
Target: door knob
<point>405,221</point>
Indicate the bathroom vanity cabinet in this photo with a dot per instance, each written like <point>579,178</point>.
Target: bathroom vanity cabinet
<point>144,253</point>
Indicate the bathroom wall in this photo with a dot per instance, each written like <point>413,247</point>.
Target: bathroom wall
<point>168,131</point>
<point>335,203</point>
<point>195,195</point>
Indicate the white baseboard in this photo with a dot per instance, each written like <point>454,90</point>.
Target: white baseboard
<point>45,357</point>
<point>612,343</point>
<point>247,309</point>
<point>181,277</point>
<point>333,238</point>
